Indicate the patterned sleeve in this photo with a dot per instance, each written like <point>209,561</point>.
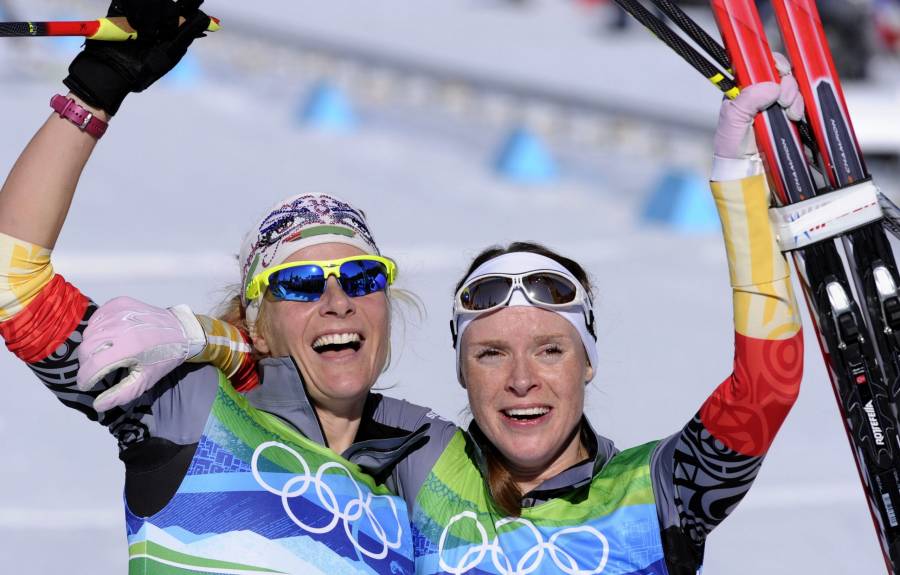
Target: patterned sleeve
<point>228,348</point>
<point>42,321</point>
<point>704,471</point>
<point>46,334</point>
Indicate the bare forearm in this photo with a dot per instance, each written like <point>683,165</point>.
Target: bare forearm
<point>37,193</point>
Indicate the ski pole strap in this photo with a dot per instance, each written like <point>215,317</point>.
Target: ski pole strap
<point>826,216</point>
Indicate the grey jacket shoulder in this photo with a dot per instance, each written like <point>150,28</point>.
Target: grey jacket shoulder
<point>662,472</point>
<point>409,475</point>
<point>181,403</point>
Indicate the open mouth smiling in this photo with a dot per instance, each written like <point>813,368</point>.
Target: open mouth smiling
<point>526,414</point>
<point>338,342</point>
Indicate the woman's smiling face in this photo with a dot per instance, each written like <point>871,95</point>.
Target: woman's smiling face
<point>339,342</point>
<point>525,369</point>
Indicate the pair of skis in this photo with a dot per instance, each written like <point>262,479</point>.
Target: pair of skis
<point>849,276</point>
<point>858,334</point>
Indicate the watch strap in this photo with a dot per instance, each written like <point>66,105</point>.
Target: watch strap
<point>71,110</point>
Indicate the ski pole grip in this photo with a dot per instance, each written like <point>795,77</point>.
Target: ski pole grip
<point>117,29</point>
<point>826,216</point>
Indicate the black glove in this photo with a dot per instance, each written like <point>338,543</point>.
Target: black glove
<point>105,72</point>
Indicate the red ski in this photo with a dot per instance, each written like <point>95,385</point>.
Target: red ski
<point>814,69</point>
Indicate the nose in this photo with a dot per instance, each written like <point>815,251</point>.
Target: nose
<point>335,302</point>
<point>522,378</point>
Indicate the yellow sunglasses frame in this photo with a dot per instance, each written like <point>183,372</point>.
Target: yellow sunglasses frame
<point>260,282</point>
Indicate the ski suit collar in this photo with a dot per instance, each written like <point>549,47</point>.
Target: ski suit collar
<point>600,451</point>
<point>377,447</point>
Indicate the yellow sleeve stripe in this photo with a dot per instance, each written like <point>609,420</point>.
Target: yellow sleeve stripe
<point>24,271</point>
<point>225,348</point>
<point>753,254</point>
<point>226,341</point>
<point>764,303</point>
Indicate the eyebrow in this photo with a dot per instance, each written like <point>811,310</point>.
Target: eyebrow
<point>543,338</point>
<point>550,337</point>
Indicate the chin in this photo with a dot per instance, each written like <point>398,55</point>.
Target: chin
<point>346,389</point>
<point>527,456</point>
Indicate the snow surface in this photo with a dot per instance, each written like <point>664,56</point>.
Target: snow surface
<point>184,170</point>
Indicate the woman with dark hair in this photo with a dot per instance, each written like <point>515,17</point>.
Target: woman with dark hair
<point>530,486</point>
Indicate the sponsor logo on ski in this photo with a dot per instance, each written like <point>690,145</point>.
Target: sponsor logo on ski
<point>791,168</point>
<point>838,141</point>
<point>873,423</point>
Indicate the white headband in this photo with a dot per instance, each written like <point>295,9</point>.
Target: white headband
<point>517,263</point>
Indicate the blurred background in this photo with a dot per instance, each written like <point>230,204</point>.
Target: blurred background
<point>455,124</point>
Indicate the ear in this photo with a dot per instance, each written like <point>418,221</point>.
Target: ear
<point>257,338</point>
<point>460,367</point>
<point>256,328</point>
<point>588,373</point>
<point>260,343</point>
<point>460,371</point>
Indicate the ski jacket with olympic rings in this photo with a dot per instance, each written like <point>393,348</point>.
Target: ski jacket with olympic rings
<point>218,482</point>
<point>259,496</point>
<point>615,512</point>
<point>608,525</point>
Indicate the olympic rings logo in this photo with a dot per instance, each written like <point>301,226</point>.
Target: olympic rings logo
<point>352,511</point>
<point>531,560</point>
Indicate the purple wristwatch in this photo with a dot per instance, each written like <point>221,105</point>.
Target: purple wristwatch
<point>70,109</point>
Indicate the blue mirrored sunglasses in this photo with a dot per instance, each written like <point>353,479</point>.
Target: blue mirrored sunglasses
<point>305,281</point>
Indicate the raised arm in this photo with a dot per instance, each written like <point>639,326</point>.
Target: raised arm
<point>36,196</point>
<point>41,316</point>
<point>34,202</point>
<point>703,471</point>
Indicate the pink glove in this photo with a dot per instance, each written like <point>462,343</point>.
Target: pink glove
<point>148,340</point>
<point>734,137</point>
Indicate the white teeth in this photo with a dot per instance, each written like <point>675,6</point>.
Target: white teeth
<point>335,339</point>
<point>527,411</point>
